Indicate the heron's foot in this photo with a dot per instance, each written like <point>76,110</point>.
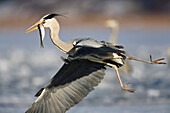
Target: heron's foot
<point>157,61</point>
<point>128,90</point>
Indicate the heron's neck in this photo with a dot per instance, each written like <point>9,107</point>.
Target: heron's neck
<point>113,36</point>
<point>63,46</point>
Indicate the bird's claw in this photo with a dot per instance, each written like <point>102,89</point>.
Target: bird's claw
<point>128,90</point>
<point>156,61</point>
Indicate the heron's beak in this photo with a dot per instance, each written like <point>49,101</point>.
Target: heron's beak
<point>34,27</point>
<point>41,29</point>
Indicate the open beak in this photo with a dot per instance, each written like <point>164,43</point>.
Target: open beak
<point>41,29</point>
<point>34,27</point>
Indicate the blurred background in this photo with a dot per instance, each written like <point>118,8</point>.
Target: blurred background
<point>144,29</point>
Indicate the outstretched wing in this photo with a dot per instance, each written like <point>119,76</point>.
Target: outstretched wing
<point>68,87</point>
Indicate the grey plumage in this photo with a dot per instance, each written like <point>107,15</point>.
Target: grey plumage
<point>97,51</point>
<point>59,98</point>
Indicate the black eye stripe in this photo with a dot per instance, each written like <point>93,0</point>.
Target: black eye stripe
<point>50,16</point>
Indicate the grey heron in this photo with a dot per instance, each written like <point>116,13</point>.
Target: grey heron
<point>114,25</point>
<point>82,71</point>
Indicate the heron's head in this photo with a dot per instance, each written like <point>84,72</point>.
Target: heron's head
<point>45,22</point>
<point>111,23</point>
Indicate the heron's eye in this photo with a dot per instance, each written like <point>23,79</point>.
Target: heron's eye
<point>43,22</point>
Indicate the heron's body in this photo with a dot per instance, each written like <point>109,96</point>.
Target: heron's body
<point>97,51</point>
<point>82,71</point>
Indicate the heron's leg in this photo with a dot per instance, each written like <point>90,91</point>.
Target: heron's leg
<point>150,62</point>
<point>120,81</point>
<point>121,84</point>
<point>118,76</point>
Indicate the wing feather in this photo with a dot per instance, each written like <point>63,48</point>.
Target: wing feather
<point>56,107</point>
<point>62,107</point>
<point>64,97</point>
<point>61,94</point>
<point>76,91</point>
<point>52,104</point>
<point>43,107</point>
<point>78,97</point>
